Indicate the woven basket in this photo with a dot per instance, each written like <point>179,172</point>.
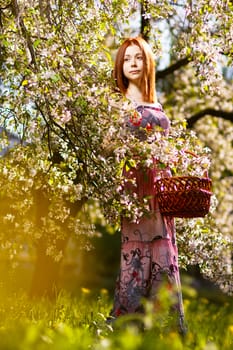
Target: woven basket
<point>184,196</point>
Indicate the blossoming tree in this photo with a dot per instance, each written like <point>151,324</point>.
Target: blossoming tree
<point>57,94</point>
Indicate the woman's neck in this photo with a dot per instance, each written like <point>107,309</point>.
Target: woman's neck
<point>134,93</point>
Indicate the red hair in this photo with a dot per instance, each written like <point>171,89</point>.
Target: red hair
<point>148,79</point>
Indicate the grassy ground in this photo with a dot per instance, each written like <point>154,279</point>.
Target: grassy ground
<point>79,323</point>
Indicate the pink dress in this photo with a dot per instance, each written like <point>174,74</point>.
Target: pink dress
<point>149,255</point>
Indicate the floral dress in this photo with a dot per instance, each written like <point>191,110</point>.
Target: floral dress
<point>149,255</point>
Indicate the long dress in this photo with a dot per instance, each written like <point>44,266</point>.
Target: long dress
<point>149,255</point>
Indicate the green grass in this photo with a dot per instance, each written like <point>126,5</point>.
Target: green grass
<point>79,323</point>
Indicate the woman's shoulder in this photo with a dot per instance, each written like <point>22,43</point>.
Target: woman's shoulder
<point>153,106</point>
<point>119,102</point>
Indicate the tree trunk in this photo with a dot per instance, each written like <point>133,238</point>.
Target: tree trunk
<point>45,281</point>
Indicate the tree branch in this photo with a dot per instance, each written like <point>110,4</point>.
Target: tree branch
<point>145,22</point>
<point>169,70</point>
<point>16,13</point>
<point>209,111</point>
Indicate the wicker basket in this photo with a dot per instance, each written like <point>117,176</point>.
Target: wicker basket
<point>184,196</point>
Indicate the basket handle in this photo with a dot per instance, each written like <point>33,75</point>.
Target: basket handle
<point>192,153</point>
<point>205,174</point>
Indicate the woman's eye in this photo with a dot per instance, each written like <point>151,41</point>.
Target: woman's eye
<point>128,59</point>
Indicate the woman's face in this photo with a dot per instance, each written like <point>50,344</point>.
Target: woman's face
<point>133,63</point>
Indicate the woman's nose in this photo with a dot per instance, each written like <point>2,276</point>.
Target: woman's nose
<point>133,62</point>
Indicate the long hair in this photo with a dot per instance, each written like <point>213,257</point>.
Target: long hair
<point>148,78</point>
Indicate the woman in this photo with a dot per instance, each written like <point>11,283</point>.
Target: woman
<point>148,253</point>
